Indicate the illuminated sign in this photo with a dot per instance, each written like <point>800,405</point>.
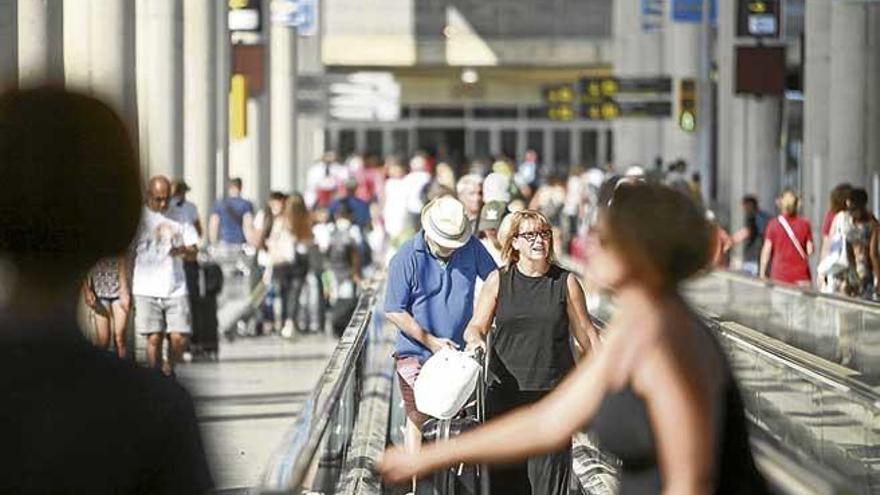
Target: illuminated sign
<point>758,18</point>
<point>607,98</point>
<point>687,105</point>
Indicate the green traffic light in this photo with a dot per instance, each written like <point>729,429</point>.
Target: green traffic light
<point>687,121</point>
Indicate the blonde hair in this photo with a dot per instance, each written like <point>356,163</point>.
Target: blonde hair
<point>508,253</point>
<point>789,202</point>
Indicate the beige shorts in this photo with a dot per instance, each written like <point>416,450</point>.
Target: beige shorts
<point>162,314</point>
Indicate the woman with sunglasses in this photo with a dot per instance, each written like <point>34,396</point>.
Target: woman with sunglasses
<point>537,307</point>
<point>659,393</point>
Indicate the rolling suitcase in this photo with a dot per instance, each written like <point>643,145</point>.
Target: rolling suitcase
<point>464,478</point>
<point>207,282</point>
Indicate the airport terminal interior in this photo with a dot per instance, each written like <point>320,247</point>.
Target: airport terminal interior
<point>341,172</point>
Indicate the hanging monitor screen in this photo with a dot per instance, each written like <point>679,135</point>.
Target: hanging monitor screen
<point>760,70</point>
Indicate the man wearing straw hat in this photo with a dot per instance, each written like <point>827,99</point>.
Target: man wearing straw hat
<point>430,294</point>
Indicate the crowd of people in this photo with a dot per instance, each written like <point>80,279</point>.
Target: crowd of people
<point>470,253</point>
<point>657,391</point>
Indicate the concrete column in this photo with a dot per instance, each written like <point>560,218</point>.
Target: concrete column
<point>817,96</point>
<point>77,35</point>
<point>681,44</point>
<point>222,74</point>
<point>160,73</point>
<point>112,55</point>
<point>200,110</point>
<point>40,41</point>
<point>748,133</point>
<point>636,53</point>
<point>846,132</point>
<point>282,107</point>
<point>728,194</point>
<point>873,96</point>
<point>310,126</point>
<point>99,55</point>
<point>8,44</point>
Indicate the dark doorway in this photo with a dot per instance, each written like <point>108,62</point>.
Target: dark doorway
<point>445,145</point>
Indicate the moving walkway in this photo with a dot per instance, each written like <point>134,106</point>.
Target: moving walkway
<point>814,420</point>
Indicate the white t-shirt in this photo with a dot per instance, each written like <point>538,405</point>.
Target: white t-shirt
<point>414,183</point>
<point>156,272</point>
<point>320,178</point>
<point>394,212</point>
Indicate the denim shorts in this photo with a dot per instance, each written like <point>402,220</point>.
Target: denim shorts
<point>162,314</point>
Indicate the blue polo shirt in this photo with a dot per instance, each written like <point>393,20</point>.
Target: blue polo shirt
<point>440,298</point>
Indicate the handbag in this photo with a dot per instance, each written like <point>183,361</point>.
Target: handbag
<point>445,383</point>
<point>837,259</point>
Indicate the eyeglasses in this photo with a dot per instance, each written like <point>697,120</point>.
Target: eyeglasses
<point>532,236</point>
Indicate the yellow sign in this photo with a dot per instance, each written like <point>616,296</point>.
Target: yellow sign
<point>757,7</point>
<point>561,112</point>
<point>238,107</point>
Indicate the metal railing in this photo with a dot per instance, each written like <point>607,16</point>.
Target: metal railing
<point>842,330</point>
<point>789,393</point>
<point>313,454</point>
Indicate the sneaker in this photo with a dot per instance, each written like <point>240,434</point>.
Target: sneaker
<point>288,330</point>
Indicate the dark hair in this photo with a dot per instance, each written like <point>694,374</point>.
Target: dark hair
<point>277,196</point>
<point>343,210</point>
<point>235,182</point>
<point>660,231</point>
<point>606,190</point>
<point>858,199</point>
<point>839,195</point>
<point>748,198</point>
<point>74,190</point>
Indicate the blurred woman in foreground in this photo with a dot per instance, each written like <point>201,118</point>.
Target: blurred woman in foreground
<point>659,394</point>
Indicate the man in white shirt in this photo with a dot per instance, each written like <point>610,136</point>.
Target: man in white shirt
<point>323,180</point>
<point>159,285</point>
<point>185,210</point>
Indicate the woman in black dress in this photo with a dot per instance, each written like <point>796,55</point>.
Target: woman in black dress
<point>659,392</point>
<point>537,308</point>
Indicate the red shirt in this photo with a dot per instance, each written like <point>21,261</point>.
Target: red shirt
<point>826,223</point>
<point>786,263</point>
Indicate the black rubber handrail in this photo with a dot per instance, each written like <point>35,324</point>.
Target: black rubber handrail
<point>289,465</point>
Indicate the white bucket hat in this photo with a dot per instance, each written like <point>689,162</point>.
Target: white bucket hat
<point>445,222</point>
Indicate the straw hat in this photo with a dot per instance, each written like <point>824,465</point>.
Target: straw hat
<point>445,222</point>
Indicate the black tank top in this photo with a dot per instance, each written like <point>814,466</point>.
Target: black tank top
<point>623,427</point>
<point>531,347</point>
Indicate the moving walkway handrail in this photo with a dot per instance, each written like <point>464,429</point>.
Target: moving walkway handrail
<point>781,352</point>
<point>862,304</point>
<point>790,357</point>
<point>290,463</point>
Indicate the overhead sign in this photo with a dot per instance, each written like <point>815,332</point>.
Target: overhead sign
<point>562,93</point>
<point>692,10</point>
<point>758,18</point>
<point>244,21</point>
<point>365,96</point>
<point>606,98</point>
<point>299,14</point>
<point>592,88</point>
<point>652,15</point>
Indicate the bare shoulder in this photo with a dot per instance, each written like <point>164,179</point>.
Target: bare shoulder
<point>681,357</point>
<point>492,279</point>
